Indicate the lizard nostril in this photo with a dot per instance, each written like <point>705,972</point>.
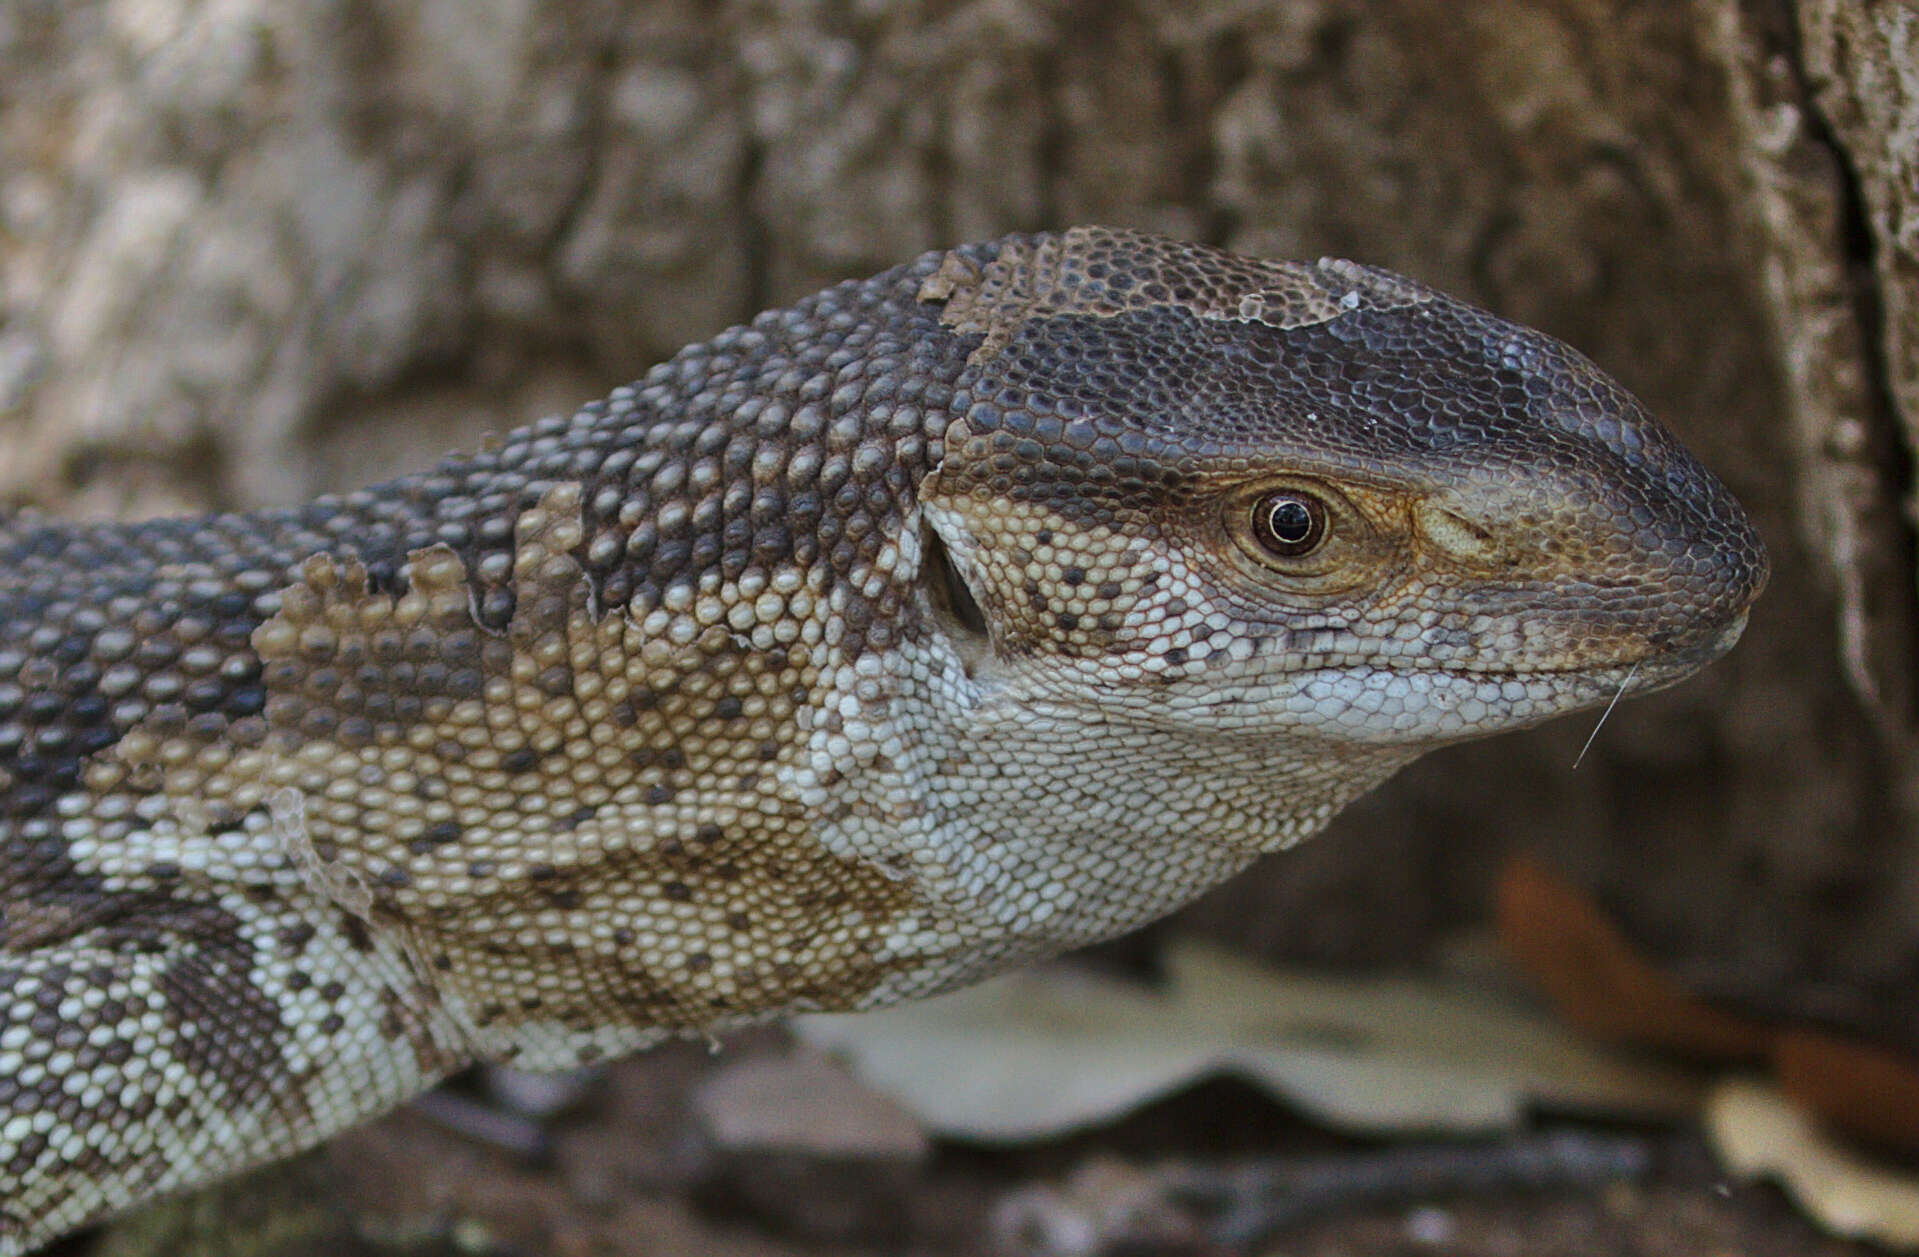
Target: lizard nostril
<point>1458,535</point>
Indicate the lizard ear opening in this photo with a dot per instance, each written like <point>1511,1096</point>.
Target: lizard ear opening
<point>952,601</point>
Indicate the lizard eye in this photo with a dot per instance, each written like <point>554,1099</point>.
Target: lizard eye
<point>1289,523</point>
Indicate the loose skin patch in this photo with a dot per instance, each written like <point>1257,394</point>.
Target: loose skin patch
<point>1098,273</point>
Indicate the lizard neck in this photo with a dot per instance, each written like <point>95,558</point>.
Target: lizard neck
<point>1036,826</point>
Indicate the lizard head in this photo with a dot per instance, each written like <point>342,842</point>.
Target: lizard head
<point>1317,501</point>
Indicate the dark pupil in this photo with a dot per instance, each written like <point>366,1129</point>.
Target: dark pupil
<point>1291,521</point>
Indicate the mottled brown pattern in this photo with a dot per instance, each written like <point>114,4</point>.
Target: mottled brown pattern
<point>580,807</point>
<point>905,635</point>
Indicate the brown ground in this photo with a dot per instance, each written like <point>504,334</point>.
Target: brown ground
<point>629,1172</point>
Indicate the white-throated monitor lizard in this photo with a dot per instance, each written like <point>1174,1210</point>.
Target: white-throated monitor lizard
<point>991,606</point>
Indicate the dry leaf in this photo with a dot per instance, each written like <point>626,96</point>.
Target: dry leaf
<point>804,1103</point>
<point>1045,1051</point>
<point>1599,982</point>
<point>1759,1133</point>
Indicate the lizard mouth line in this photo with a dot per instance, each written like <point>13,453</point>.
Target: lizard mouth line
<point>1652,663</point>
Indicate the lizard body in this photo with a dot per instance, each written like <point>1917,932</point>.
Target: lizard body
<point>949,619</point>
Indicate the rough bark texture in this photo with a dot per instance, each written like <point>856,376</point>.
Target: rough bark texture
<point>254,249</point>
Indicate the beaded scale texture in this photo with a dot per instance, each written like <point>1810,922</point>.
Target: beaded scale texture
<point>988,607</point>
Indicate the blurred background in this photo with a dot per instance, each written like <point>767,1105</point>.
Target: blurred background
<point>255,250</point>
